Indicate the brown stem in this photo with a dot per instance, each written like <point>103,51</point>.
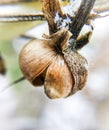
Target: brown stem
<point>50,8</point>
<point>81,17</point>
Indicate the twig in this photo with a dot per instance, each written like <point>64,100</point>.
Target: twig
<point>81,17</point>
<point>95,15</point>
<point>17,81</point>
<point>101,6</point>
<point>22,17</point>
<point>13,83</point>
<point>14,1</point>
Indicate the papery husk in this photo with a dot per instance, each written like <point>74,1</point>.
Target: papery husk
<point>58,80</point>
<point>77,64</point>
<point>34,59</point>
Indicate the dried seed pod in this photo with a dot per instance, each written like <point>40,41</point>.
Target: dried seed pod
<point>53,63</point>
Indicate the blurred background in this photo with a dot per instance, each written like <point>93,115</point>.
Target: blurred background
<point>24,107</point>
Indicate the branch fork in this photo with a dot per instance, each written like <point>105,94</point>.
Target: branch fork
<point>52,8</point>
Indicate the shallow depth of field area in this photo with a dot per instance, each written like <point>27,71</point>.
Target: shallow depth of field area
<point>24,107</point>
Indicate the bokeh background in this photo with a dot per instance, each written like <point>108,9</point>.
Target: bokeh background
<point>24,107</point>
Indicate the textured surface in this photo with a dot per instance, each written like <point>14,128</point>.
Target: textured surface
<point>76,63</point>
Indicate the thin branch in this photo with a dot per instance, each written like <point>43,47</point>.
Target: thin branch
<point>95,15</point>
<point>13,83</point>
<point>101,9</point>
<point>101,6</point>
<point>14,1</point>
<point>17,81</point>
<point>22,17</point>
<point>81,17</point>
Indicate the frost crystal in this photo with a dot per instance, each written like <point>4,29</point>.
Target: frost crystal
<point>62,22</point>
<point>69,9</point>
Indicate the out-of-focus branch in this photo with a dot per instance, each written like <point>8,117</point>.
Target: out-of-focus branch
<point>14,1</point>
<point>95,15</point>
<point>22,17</point>
<point>13,83</point>
<point>101,6</point>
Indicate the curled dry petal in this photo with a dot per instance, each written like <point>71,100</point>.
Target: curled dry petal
<point>58,79</point>
<point>76,63</point>
<point>34,59</point>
